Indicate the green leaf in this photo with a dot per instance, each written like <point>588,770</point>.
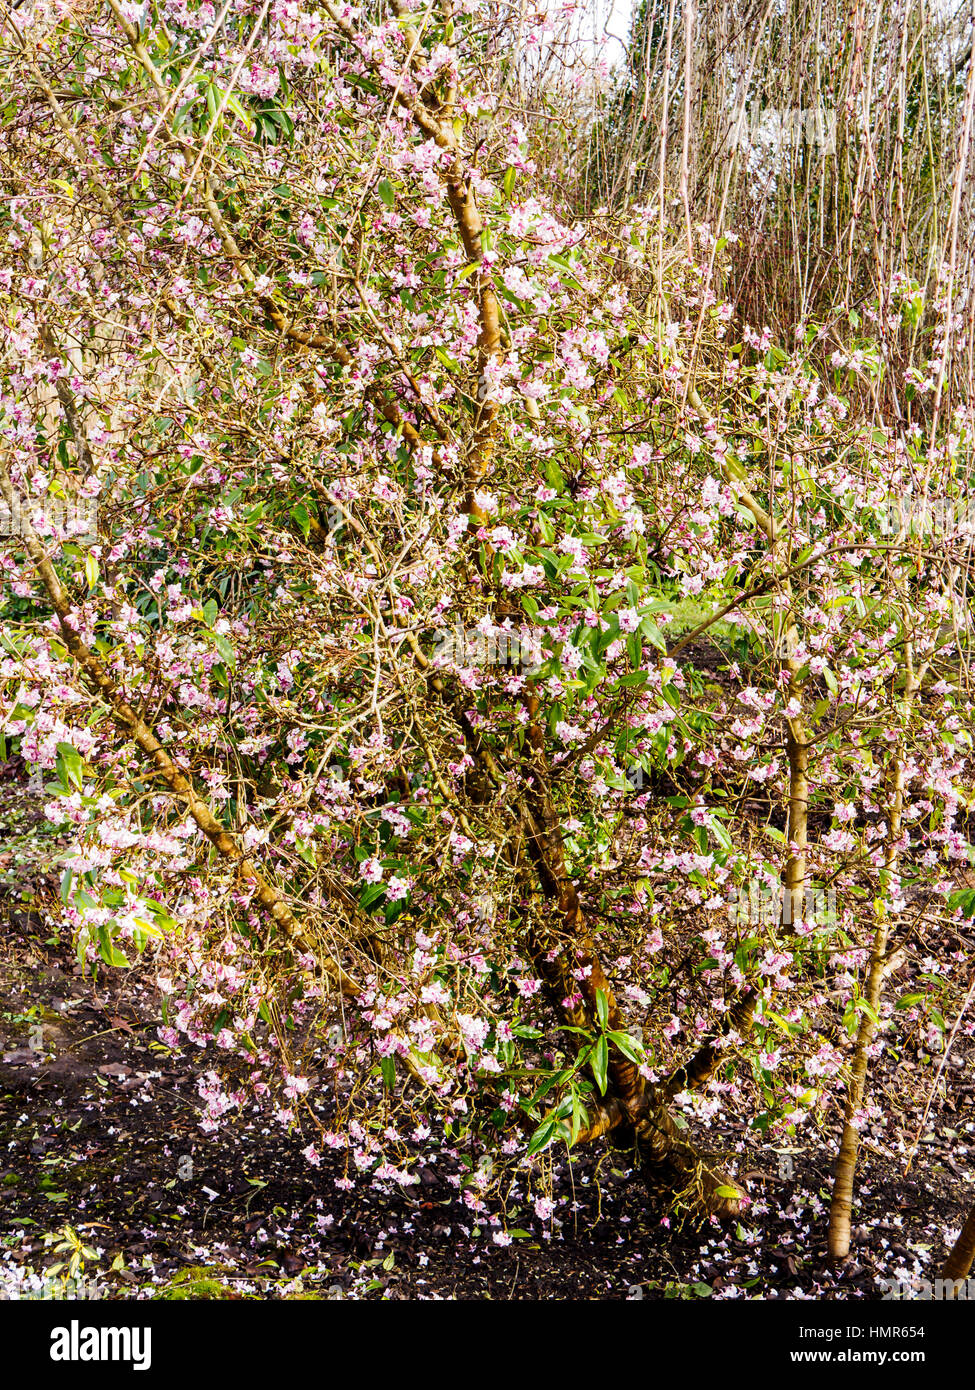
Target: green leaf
<point>629,1047</point>
<point>602,1007</point>
<point>69,766</point>
<point>653,635</point>
<point>385,190</point>
<point>233,104</point>
<point>965,900</point>
<point>372,894</point>
<point>226,651</point>
<point>543,1135</point>
<point>580,1118</point>
<point>449,362</point>
<point>107,949</point>
<point>722,836</point>
<point>600,1064</point>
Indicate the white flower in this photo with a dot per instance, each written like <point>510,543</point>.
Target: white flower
<point>371,870</point>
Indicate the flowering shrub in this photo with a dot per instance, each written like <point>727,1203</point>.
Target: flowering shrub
<point>285,294</point>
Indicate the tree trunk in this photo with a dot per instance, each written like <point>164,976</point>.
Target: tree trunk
<point>959,1262</point>
<point>841,1207</point>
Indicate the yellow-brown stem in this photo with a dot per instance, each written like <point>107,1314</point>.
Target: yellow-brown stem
<point>841,1206</point>
<point>959,1263</point>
